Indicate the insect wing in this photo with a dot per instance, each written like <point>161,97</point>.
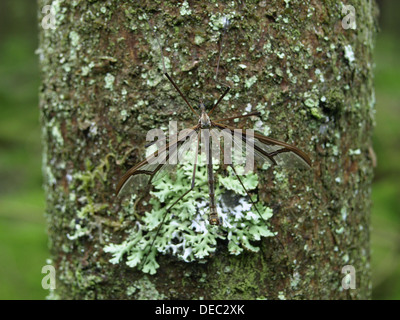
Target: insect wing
<point>264,149</point>
<point>157,164</point>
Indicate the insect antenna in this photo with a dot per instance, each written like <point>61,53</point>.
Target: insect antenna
<point>159,45</point>
<point>226,25</point>
<point>166,73</point>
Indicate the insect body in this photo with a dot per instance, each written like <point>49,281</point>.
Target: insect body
<point>204,119</point>
<point>265,149</point>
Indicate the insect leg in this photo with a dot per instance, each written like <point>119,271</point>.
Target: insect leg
<point>180,92</point>
<point>247,192</point>
<point>171,206</point>
<point>254,205</point>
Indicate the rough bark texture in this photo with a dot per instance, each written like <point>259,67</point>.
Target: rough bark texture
<point>103,88</point>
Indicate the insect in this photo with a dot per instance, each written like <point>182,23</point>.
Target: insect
<point>206,131</point>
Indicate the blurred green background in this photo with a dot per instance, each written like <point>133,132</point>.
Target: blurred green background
<point>23,240</point>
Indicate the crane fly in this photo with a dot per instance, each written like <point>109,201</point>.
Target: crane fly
<point>265,149</point>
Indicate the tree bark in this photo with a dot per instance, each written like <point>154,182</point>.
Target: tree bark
<point>103,89</point>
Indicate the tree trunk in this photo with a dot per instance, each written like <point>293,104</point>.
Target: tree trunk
<point>103,89</point>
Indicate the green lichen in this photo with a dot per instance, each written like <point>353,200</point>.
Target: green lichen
<point>280,55</point>
<point>186,232</point>
<point>349,54</point>
<point>354,152</point>
<point>109,80</point>
<point>124,114</point>
<point>218,21</point>
<point>185,9</point>
<point>145,290</point>
<point>198,39</point>
<point>313,104</point>
<point>85,181</point>
<point>316,113</point>
<point>250,82</point>
<point>57,135</point>
<point>74,36</point>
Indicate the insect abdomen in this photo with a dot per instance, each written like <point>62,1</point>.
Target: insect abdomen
<point>213,218</point>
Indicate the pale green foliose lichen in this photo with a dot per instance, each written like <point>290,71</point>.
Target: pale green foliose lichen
<point>251,81</point>
<point>353,152</point>
<point>198,39</point>
<point>349,54</point>
<point>219,21</point>
<point>186,232</point>
<point>57,135</point>
<point>109,80</point>
<point>74,36</point>
<point>185,9</point>
<point>145,289</point>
